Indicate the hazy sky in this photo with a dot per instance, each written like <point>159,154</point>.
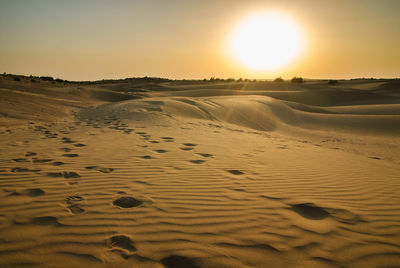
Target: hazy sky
<point>89,40</point>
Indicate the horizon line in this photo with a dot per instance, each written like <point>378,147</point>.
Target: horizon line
<point>212,78</point>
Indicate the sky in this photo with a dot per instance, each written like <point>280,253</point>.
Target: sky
<point>188,39</point>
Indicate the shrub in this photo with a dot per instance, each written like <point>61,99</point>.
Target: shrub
<point>297,80</point>
<point>333,82</point>
<point>278,79</point>
<point>47,78</point>
<point>17,79</point>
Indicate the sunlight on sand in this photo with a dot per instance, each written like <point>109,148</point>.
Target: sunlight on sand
<point>178,174</point>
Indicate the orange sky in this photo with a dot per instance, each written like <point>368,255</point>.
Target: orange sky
<point>89,40</point>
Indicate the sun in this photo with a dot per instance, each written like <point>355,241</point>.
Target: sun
<point>266,41</point>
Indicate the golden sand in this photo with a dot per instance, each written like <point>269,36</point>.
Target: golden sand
<point>199,175</point>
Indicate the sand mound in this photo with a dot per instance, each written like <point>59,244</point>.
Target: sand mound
<point>259,113</point>
<point>46,101</point>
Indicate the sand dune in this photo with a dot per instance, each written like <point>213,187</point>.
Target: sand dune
<point>189,175</point>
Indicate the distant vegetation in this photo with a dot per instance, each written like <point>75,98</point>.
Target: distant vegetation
<point>333,82</point>
<point>216,79</point>
<point>139,80</point>
<point>364,78</point>
<point>156,80</point>
<point>145,79</point>
<point>297,80</point>
<point>47,78</point>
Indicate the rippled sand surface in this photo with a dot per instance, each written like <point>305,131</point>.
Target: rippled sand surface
<point>260,175</point>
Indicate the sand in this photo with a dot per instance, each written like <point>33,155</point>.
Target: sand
<point>199,174</point>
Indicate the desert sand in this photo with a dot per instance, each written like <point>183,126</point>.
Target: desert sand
<point>194,174</point>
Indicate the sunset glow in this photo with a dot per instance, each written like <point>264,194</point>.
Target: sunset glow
<point>266,41</point>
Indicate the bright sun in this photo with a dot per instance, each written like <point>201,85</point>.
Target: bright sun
<point>266,41</point>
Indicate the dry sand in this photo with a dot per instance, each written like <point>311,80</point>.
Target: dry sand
<point>199,175</point>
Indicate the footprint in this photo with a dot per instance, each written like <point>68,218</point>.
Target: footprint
<point>46,220</point>
<point>65,149</point>
<point>34,192</point>
<point>30,154</point>
<point>186,148</point>
<point>71,175</point>
<point>65,174</point>
<point>55,174</point>
<point>73,204</point>
<point>375,157</point>
<point>176,261</point>
<point>79,145</point>
<point>101,169</point>
<point>146,157</point>
<point>35,160</point>
<point>104,170</point>
<point>310,211</point>
<point>71,155</point>
<point>121,241</point>
<point>58,163</point>
<point>154,141</point>
<point>127,202</point>
<point>190,144</point>
<point>199,161</point>
<point>205,155</point>
<point>143,146</point>
<point>235,172</point>
<point>20,160</point>
<point>161,151</point>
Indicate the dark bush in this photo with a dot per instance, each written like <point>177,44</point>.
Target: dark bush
<point>47,78</point>
<point>278,79</point>
<point>297,80</point>
<point>17,79</point>
<point>333,82</point>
